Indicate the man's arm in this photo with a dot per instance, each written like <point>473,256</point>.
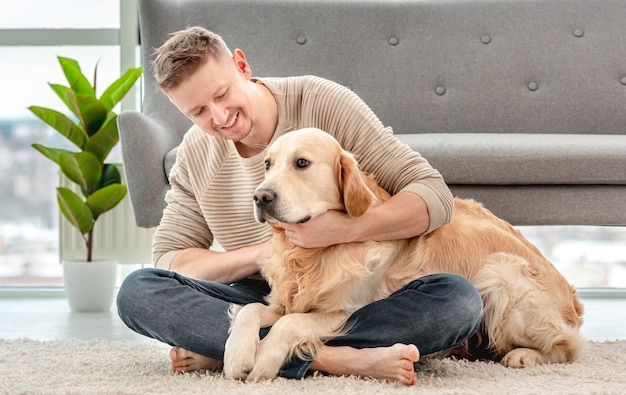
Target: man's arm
<point>403,215</point>
<point>222,267</point>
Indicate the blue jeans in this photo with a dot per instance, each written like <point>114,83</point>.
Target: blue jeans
<point>433,312</point>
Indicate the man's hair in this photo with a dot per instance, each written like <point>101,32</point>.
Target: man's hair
<point>183,53</point>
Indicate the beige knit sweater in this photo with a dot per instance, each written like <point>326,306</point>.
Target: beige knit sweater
<point>212,186</point>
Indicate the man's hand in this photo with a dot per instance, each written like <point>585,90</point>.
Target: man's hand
<point>326,229</point>
<point>404,215</point>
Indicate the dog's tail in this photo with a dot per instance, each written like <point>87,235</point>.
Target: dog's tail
<point>520,313</point>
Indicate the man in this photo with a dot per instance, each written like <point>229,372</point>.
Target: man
<point>185,299</point>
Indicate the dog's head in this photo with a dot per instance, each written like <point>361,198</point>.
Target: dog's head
<point>307,173</point>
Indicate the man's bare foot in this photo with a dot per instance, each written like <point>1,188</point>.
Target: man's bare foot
<point>393,363</point>
<point>188,361</point>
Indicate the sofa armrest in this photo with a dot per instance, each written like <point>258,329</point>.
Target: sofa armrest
<point>144,144</point>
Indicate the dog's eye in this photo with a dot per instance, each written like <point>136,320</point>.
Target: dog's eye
<point>267,164</point>
<point>301,163</point>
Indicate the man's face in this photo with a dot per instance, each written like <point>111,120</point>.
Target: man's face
<point>218,98</point>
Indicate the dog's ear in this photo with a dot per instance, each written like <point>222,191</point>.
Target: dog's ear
<point>357,197</point>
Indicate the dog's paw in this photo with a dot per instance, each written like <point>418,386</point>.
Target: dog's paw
<point>522,358</point>
<point>263,372</point>
<point>239,358</point>
<point>270,358</point>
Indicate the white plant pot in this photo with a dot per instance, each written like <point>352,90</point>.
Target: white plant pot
<point>90,286</point>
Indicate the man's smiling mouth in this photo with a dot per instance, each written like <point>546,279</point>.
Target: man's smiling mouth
<point>231,123</point>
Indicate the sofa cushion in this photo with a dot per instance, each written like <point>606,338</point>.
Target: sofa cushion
<point>523,159</point>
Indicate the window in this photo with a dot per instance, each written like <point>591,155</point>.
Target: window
<point>588,256</point>
<point>60,14</point>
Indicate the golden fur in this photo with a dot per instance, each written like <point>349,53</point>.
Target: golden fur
<point>531,314</point>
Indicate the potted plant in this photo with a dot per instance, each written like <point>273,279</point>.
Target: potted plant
<point>94,133</point>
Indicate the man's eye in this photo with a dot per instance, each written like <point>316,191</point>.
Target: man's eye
<point>302,163</point>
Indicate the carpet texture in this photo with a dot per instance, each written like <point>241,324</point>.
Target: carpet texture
<point>141,367</point>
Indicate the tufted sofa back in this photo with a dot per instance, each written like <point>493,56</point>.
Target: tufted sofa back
<point>427,66</point>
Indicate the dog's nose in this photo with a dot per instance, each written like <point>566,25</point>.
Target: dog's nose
<point>264,196</point>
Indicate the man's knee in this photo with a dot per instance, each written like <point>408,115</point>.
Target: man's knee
<point>466,302</point>
<point>463,300</point>
<point>134,290</point>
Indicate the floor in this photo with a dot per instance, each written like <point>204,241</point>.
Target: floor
<point>50,318</point>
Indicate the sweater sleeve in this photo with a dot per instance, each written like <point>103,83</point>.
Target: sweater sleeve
<point>394,165</point>
<point>182,225</point>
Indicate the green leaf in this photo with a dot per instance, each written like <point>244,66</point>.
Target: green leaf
<point>61,123</point>
<point>118,89</point>
<point>77,80</point>
<point>50,153</point>
<point>105,199</point>
<point>89,110</point>
<point>83,168</point>
<point>110,176</point>
<point>75,210</point>
<point>101,143</point>
<point>60,90</point>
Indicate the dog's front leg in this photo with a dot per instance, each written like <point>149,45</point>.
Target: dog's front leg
<point>289,333</point>
<point>242,343</point>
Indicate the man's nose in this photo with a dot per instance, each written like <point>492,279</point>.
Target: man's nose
<point>219,114</point>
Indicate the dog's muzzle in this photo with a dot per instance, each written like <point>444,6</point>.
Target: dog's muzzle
<point>265,203</point>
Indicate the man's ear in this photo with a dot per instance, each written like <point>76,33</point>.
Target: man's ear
<point>357,197</point>
<point>241,63</point>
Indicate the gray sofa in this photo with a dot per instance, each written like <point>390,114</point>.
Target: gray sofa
<point>520,104</point>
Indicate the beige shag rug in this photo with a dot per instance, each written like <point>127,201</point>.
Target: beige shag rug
<point>141,367</point>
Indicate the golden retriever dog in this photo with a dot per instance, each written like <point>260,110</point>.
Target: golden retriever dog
<point>531,314</point>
